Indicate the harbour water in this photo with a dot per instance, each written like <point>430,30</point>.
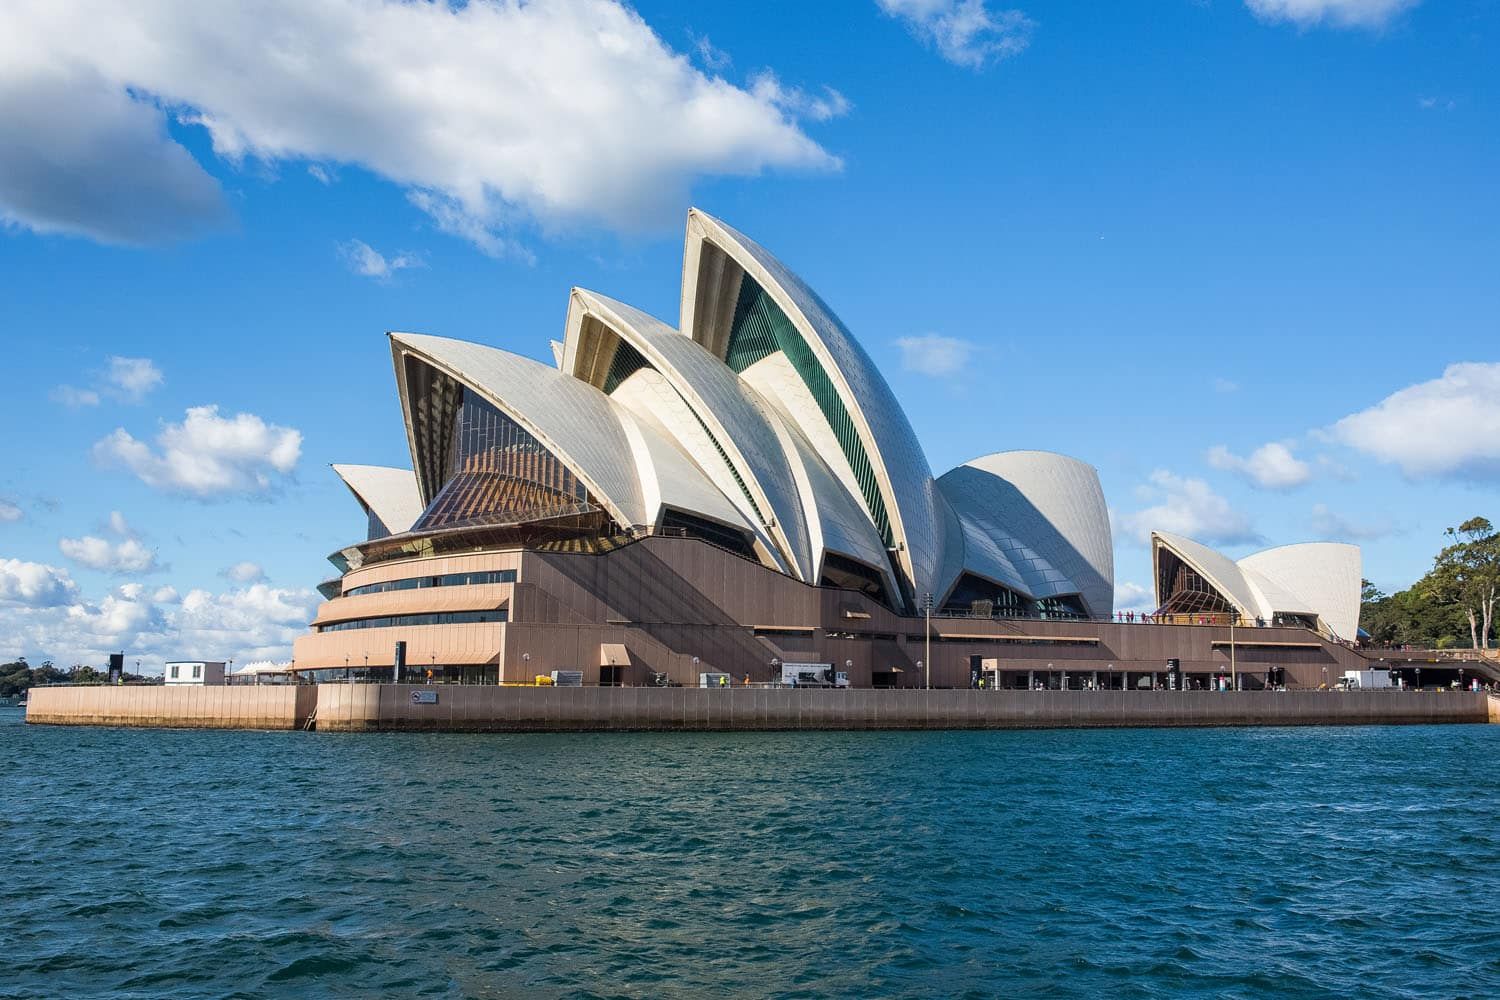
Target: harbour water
<point>1348,862</point>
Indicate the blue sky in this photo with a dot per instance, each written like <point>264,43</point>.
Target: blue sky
<point>1240,256</point>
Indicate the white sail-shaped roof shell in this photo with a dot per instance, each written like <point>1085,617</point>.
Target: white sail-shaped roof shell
<point>709,289</point>
<point>1327,576</point>
<point>630,468</point>
<point>1045,514</point>
<point>1321,579</point>
<point>391,495</point>
<point>715,417</point>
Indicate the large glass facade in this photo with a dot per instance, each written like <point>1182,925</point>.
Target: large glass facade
<point>498,473</point>
<point>759,330</point>
<point>1187,593</point>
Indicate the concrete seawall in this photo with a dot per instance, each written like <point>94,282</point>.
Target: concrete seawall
<point>185,707</point>
<point>371,707</point>
<point>344,708</point>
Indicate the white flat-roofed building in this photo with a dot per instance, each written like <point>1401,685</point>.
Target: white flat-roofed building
<point>194,672</point>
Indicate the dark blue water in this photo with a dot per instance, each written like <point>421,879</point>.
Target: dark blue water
<point>1133,863</point>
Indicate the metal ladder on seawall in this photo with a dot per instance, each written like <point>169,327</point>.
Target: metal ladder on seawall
<point>312,718</point>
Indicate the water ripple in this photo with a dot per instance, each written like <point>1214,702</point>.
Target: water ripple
<point>1150,864</point>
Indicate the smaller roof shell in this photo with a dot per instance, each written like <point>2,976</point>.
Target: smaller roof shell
<point>1035,522</point>
<point>1312,578</point>
<point>390,494</point>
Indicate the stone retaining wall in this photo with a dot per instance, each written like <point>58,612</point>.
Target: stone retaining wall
<point>364,707</point>
<point>344,708</point>
<point>184,707</point>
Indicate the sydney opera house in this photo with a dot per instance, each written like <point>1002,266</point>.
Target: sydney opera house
<point>742,491</point>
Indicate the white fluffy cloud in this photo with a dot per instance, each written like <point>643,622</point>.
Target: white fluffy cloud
<point>133,378</point>
<point>127,379</point>
<point>796,102</point>
<point>1447,427</point>
<point>128,555</point>
<point>366,261</point>
<point>105,168</point>
<point>490,113</point>
<point>245,624</point>
<point>964,32</point>
<point>207,455</point>
<point>1134,597</point>
<point>1341,13</point>
<point>1186,506</point>
<point>931,354</point>
<point>1270,467</point>
<point>244,572</point>
<point>10,511</point>
<point>35,585</point>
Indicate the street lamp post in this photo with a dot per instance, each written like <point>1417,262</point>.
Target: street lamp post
<point>775,669</point>
<point>927,607</point>
<point>1234,674</point>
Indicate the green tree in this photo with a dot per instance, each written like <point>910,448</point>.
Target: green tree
<point>1466,573</point>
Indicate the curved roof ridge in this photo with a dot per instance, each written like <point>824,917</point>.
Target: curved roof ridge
<point>901,476</point>
<point>736,420</point>
<point>1298,545</point>
<point>1030,451</point>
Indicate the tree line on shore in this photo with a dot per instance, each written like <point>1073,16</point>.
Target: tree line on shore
<point>17,677</point>
<point>1452,605</point>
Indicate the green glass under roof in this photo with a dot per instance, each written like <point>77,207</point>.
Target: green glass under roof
<point>761,329</point>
